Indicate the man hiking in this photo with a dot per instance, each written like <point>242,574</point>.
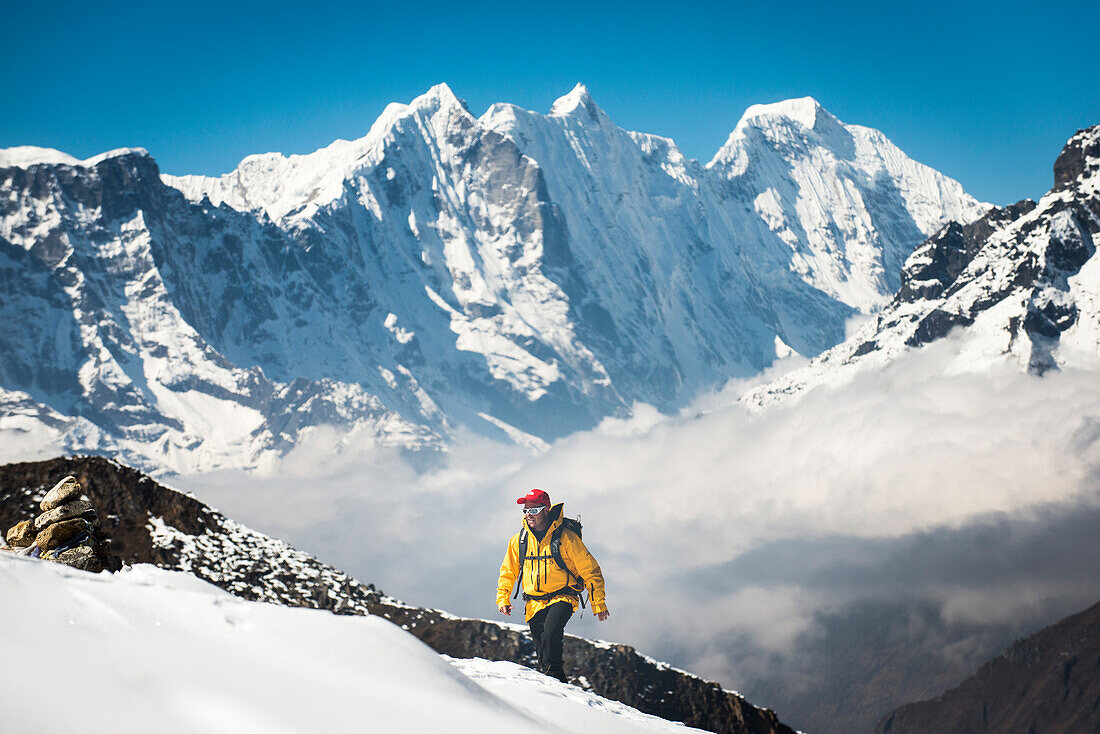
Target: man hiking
<point>554,568</point>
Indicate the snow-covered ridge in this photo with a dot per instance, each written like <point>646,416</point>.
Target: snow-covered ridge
<point>24,156</point>
<point>279,185</point>
<point>803,110</point>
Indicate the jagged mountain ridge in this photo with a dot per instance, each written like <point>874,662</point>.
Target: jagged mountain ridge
<point>1022,283</point>
<point>514,273</point>
<point>150,523</point>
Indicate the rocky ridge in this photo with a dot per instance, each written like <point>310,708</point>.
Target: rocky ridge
<point>150,523</point>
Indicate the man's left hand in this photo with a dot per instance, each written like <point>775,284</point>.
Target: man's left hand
<point>602,616</point>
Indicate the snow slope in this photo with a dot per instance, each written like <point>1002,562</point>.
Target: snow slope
<point>148,649</point>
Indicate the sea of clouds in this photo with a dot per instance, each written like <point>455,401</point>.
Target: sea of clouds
<point>923,516</point>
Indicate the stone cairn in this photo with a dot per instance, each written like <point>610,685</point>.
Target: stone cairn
<point>66,532</point>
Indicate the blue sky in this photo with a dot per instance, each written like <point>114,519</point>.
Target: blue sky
<point>986,93</point>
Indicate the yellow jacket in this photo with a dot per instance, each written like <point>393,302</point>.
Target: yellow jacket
<point>542,575</point>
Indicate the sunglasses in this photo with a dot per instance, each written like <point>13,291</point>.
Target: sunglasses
<point>533,510</point>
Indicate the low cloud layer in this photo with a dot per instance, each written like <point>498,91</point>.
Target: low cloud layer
<point>953,511</point>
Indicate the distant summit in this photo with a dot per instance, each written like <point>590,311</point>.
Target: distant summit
<point>578,100</point>
<point>804,111</point>
<point>1018,284</point>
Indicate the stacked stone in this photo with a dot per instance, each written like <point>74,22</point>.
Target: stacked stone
<point>66,532</point>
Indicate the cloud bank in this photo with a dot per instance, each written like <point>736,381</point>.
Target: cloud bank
<point>947,512</point>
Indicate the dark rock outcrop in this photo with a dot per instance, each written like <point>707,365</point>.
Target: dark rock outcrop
<point>947,253</point>
<point>1048,683</point>
<point>1079,158</point>
<point>150,523</point>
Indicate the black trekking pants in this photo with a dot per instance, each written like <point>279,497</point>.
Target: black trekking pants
<point>547,630</point>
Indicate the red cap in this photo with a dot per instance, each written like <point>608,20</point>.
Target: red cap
<point>535,497</point>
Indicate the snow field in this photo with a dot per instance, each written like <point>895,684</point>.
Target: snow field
<point>155,650</point>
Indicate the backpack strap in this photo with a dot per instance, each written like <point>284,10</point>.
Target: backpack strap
<point>555,553</point>
<point>522,560</point>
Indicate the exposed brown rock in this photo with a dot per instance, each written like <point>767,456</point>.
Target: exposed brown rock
<point>75,508</point>
<point>21,534</point>
<point>82,557</point>
<point>65,490</point>
<point>60,533</point>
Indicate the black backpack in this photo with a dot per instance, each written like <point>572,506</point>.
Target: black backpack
<point>572,588</point>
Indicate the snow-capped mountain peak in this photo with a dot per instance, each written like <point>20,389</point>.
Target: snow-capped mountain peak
<point>577,100</point>
<point>828,189</point>
<point>439,97</point>
<point>803,110</point>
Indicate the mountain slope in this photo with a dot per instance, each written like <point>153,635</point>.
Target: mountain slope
<point>177,655</point>
<point>1048,682</point>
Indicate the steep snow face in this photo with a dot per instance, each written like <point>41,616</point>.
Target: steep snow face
<point>207,661</point>
<point>114,290</point>
<point>519,274</point>
<point>728,262</point>
<point>846,201</point>
<point>669,291</point>
<point>1020,284</point>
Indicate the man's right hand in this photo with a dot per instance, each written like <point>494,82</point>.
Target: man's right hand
<point>506,610</point>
